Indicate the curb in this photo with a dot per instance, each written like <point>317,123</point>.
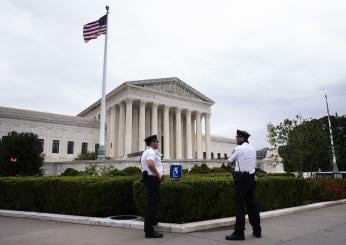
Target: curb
<point>165,227</point>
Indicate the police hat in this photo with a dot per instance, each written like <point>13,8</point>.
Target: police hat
<point>151,138</point>
<point>243,133</point>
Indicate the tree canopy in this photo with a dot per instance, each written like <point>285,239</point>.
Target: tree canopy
<point>20,155</point>
<point>304,144</point>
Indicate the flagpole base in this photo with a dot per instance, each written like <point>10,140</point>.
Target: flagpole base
<point>101,153</point>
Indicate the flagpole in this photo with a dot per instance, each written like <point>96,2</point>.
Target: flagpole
<point>101,149</point>
<point>335,166</point>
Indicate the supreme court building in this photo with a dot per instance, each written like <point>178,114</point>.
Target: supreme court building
<point>176,112</point>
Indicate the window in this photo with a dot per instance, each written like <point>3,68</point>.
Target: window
<point>4,138</point>
<point>96,148</point>
<point>226,156</point>
<point>212,155</point>
<point>218,155</point>
<point>55,148</point>
<point>41,141</point>
<point>204,155</point>
<point>70,146</point>
<point>99,117</point>
<point>84,147</point>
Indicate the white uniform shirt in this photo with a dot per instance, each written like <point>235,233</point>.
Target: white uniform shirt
<point>151,154</point>
<point>244,156</point>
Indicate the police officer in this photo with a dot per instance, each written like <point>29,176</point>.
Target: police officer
<point>152,176</point>
<point>243,158</point>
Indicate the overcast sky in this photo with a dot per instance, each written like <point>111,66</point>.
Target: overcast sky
<point>260,61</point>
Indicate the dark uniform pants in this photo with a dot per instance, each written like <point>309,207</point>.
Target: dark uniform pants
<point>152,185</point>
<point>245,201</point>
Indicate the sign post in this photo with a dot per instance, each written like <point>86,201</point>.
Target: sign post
<point>175,172</point>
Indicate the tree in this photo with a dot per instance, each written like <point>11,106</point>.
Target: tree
<point>20,154</point>
<point>304,145</point>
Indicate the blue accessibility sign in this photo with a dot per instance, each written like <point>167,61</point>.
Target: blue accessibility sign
<point>175,172</point>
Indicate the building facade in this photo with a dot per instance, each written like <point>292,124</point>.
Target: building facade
<point>168,107</point>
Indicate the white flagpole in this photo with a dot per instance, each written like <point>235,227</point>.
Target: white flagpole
<point>335,166</point>
<point>101,149</point>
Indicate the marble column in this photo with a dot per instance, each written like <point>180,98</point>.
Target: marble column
<point>121,130</point>
<point>188,135</point>
<point>199,136</point>
<point>128,128</point>
<point>178,133</point>
<point>107,138</point>
<point>207,135</point>
<point>154,119</point>
<point>166,132</point>
<point>193,126</point>
<point>111,132</point>
<point>141,127</point>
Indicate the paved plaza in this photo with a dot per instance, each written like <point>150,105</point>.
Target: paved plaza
<point>320,226</point>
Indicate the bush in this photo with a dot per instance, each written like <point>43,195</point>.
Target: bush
<point>190,199</point>
<point>203,169</point>
<point>288,174</point>
<point>260,172</point>
<point>328,189</point>
<point>131,171</point>
<point>201,198</point>
<point>86,156</point>
<point>26,151</point>
<point>89,196</point>
<point>70,172</point>
<point>220,170</point>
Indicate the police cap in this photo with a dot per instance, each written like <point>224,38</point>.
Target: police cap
<point>151,138</point>
<point>243,133</point>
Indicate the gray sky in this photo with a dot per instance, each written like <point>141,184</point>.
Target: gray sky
<point>260,61</point>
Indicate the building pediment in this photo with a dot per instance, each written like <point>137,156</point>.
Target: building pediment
<point>167,86</point>
<point>173,86</point>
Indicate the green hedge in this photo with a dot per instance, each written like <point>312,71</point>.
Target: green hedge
<point>89,196</point>
<point>191,199</point>
<point>201,198</point>
<point>328,189</point>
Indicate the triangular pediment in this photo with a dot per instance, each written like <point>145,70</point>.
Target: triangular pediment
<point>172,86</point>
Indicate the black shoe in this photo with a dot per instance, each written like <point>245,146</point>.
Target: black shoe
<point>153,234</point>
<point>257,233</point>
<point>236,236</point>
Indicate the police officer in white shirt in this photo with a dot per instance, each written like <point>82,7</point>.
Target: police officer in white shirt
<point>152,176</point>
<point>243,158</point>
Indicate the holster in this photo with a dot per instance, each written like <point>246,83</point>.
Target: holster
<point>144,175</point>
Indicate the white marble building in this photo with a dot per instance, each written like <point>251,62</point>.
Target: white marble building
<point>168,107</point>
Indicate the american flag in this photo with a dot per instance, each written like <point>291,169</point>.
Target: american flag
<point>94,29</point>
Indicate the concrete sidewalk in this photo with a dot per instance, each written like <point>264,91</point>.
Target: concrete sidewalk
<point>321,226</point>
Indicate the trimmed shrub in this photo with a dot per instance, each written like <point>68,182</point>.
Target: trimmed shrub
<point>131,171</point>
<point>190,199</point>
<point>288,174</point>
<point>260,172</point>
<point>202,198</point>
<point>328,189</point>
<point>70,172</point>
<point>86,156</point>
<point>88,196</point>
<point>203,169</point>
